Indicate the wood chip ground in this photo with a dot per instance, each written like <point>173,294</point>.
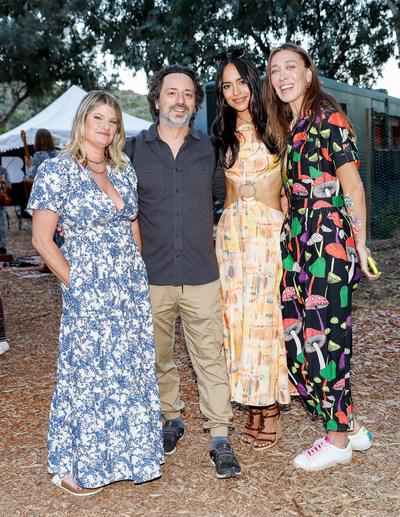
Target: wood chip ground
<point>269,486</point>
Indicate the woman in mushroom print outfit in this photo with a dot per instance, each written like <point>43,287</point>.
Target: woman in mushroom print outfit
<point>105,416</point>
<point>321,258</point>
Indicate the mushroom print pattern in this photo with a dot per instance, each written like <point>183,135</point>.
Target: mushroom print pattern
<point>321,267</point>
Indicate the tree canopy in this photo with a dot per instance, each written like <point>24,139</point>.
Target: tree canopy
<point>349,40</point>
<point>43,42</point>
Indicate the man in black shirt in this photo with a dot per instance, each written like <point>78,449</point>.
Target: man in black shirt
<point>177,176</point>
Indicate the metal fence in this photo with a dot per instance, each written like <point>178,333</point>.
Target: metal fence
<point>384,193</point>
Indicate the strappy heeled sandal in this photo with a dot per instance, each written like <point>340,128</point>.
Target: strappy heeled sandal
<point>250,426</point>
<point>267,443</point>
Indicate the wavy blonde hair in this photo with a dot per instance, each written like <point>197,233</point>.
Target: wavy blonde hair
<point>75,147</point>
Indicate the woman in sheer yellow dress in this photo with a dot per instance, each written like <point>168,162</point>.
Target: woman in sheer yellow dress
<point>248,251</point>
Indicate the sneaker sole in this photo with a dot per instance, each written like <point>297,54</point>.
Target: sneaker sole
<point>226,476</point>
<point>361,448</point>
<point>323,467</point>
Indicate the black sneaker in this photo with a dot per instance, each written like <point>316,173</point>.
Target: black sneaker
<point>224,460</point>
<point>172,434</point>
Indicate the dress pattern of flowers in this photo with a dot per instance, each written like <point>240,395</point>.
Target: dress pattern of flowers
<point>105,418</point>
<point>321,268</point>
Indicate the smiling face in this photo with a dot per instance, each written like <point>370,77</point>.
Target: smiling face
<point>177,100</point>
<point>236,91</point>
<point>289,77</point>
<point>100,128</point>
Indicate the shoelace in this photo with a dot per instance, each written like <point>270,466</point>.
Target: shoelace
<point>170,428</point>
<point>319,447</point>
<point>224,448</point>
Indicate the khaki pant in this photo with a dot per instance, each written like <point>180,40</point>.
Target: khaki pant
<point>201,315</point>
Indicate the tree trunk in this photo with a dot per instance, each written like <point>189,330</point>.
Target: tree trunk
<point>17,102</point>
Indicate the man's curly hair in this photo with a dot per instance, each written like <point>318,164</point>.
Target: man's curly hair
<point>156,83</point>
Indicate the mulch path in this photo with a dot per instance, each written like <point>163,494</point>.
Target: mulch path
<point>270,486</point>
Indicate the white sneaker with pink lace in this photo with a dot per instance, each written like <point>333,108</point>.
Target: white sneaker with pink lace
<point>323,454</point>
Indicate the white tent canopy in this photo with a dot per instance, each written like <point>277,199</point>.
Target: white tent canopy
<point>57,118</point>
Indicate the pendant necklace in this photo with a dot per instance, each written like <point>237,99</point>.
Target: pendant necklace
<point>100,173</point>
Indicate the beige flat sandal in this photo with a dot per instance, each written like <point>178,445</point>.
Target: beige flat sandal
<point>80,492</point>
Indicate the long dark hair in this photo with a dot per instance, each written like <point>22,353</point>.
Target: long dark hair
<point>315,98</point>
<point>44,141</point>
<point>224,135</point>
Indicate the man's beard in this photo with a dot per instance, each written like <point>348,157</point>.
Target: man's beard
<point>174,120</point>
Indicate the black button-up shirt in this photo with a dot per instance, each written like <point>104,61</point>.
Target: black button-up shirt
<point>176,207</point>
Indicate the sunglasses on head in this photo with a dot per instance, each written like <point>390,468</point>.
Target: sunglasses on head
<point>236,52</point>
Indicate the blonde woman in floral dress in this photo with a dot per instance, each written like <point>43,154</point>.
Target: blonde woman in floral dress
<point>248,251</point>
<point>105,417</point>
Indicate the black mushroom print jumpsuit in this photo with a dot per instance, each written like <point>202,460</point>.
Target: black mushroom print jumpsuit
<point>321,268</point>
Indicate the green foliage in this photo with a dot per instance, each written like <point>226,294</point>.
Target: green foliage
<point>28,108</point>
<point>44,42</point>
<point>349,40</point>
<point>133,103</point>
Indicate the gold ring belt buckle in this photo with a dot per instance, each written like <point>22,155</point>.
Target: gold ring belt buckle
<point>241,187</point>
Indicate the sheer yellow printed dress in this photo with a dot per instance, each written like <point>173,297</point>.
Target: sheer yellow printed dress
<point>248,252</point>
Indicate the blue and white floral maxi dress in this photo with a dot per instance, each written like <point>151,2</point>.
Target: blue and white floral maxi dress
<point>105,417</point>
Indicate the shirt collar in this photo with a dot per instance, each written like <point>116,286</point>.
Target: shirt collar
<point>152,133</point>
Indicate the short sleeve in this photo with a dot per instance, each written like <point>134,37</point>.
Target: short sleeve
<point>49,190</point>
<point>36,161</point>
<point>129,171</point>
<point>129,147</point>
<point>341,145</point>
